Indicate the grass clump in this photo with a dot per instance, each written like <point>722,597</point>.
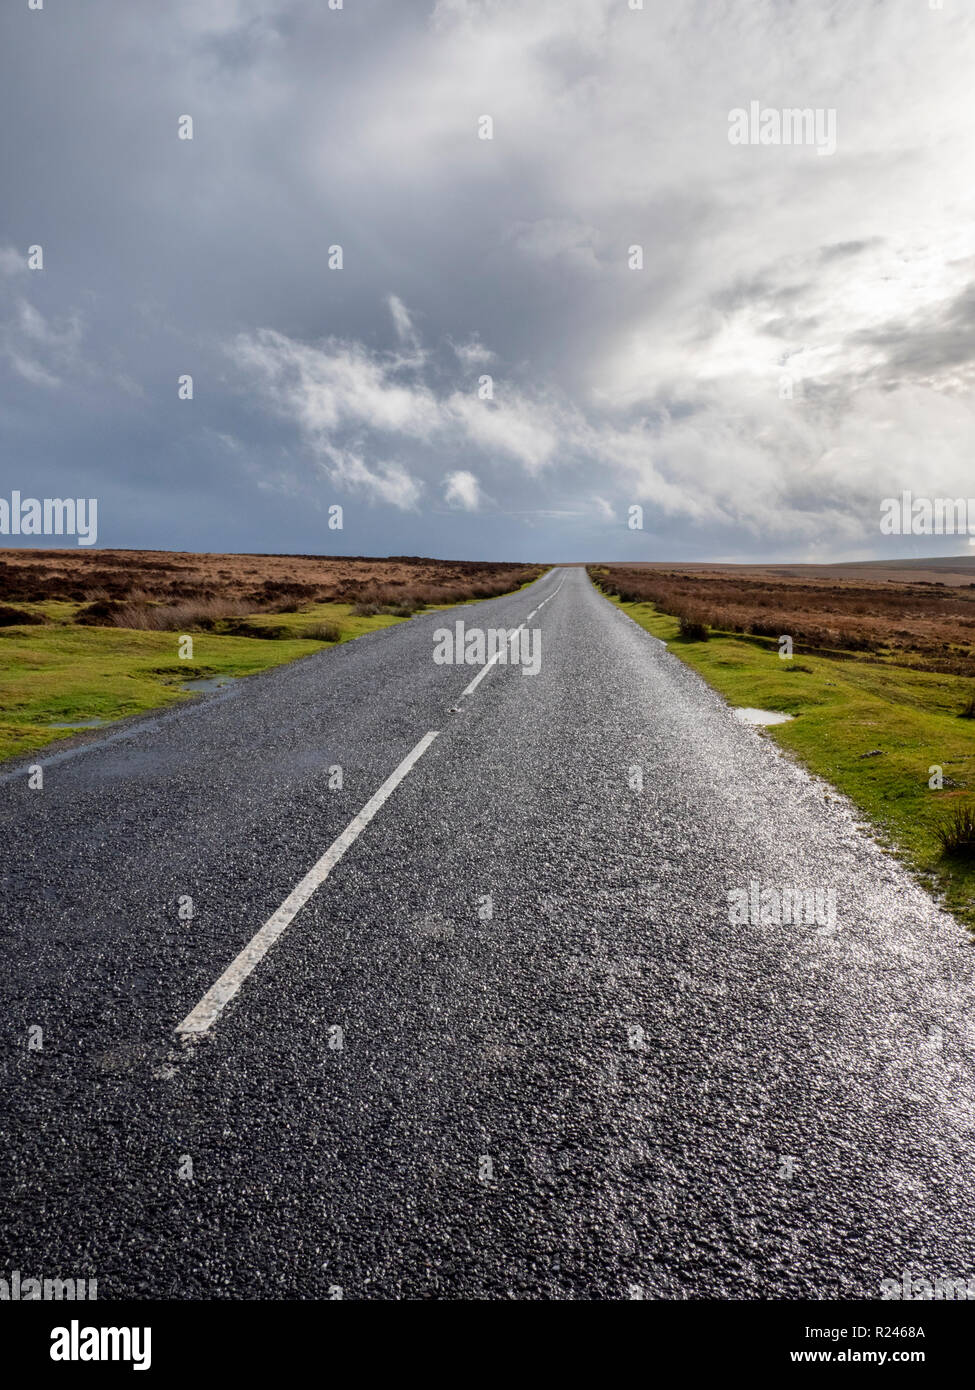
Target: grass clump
<point>956,833</point>
<point>692,627</point>
<point>17,617</point>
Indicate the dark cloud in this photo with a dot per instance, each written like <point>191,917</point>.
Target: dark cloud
<point>466,258</point>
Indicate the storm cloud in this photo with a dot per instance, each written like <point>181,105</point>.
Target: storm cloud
<point>486,346</point>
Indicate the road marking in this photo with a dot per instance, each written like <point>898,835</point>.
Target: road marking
<point>484,670</point>
<point>550,597</point>
<point>219,995</point>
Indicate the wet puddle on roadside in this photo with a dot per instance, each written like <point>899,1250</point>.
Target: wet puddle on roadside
<point>761,716</point>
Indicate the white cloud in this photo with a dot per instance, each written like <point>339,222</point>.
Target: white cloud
<point>403,324</point>
<point>329,388</point>
<point>31,371</point>
<point>461,489</point>
<point>383,482</point>
<point>510,424</point>
<point>324,387</point>
<point>473,353</point>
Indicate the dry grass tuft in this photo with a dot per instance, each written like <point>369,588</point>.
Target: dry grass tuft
<point>192,616</point>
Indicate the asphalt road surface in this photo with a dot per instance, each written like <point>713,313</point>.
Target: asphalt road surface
<point>508,1045</point>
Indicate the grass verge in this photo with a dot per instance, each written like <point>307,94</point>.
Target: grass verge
<point>63,673</point>
<point>875,731</point>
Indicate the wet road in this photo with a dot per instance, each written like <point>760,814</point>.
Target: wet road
<point>511,1046</point>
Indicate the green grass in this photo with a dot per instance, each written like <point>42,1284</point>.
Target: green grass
<point>847,708</point>
<point>301,626</point>
<point>62,673</point>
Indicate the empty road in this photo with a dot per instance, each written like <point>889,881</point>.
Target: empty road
<point>504,1041</point>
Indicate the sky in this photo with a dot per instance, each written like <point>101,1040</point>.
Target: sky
<point>607,304</point>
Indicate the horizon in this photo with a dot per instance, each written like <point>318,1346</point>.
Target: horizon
<point>882,561</point>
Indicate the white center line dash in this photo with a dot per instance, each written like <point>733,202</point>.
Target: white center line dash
<point>487,666</point>
<point>219,995</point>
<point>497,655</point>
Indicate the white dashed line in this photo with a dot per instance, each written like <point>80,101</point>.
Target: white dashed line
<point>483,672</point>
<point>496,657</point>
<point>219,995</point>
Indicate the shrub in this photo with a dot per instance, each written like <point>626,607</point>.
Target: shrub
<point>11,617</point>
<point>693,627</point>
<point>956,832</point>
<point>326,632</point>
<point>102,613</point>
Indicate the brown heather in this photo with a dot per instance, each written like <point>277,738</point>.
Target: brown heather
<point>928,624</point>
<point>170,591</point>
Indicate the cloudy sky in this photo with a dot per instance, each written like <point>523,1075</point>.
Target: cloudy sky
<point>797,345</point>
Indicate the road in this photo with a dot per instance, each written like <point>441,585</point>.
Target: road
<point>605,1089</point>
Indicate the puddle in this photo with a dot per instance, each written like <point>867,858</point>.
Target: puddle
<point>206,685</point>
<point>761,716</point>
<point>80,724</point>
